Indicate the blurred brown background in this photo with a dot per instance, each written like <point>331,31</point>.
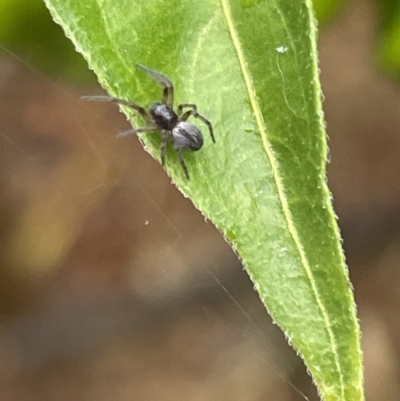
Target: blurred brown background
<point>113,287</point>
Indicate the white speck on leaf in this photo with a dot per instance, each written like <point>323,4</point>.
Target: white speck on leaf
<point>282,49</point>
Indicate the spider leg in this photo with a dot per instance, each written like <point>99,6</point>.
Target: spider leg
<point>164,140</point>
<point>193,112</point>
<point>182,162</point>
<point>168,87</point>
<point>134,131</point>
<point>185,105</point>
<point>110,99</point>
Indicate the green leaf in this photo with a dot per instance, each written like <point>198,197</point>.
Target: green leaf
<point>389,38</point>
<point>327,9</point>
<point>251,67</point>
<point>24,24</point>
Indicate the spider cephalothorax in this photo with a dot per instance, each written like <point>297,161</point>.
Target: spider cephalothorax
<point>161,116</point>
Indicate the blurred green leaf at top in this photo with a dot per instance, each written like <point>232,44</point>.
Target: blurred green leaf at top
<point>27,30</point>
<point>389,40</point>
<point>325,10</point>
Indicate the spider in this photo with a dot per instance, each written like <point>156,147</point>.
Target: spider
<point>161,116</point>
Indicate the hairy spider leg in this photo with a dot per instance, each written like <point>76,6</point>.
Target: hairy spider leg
<point>168,87</point>
<point>111,99</point>
<point>182,162</point>
<point>134,131</point>
<point>195,114</point>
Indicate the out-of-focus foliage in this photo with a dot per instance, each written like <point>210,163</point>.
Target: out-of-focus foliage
<point>388,52</point>
<point>27,30</point>
<point>325,10</point>
<point>389,49</point>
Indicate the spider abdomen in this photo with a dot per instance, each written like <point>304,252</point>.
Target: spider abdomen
<point>187,136</point>
<point>164,116</point>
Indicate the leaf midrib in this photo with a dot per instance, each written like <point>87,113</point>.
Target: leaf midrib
<point>279,183</point>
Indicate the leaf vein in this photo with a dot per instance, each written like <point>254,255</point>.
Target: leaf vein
<point>200,41</point>
<point>279,184</point>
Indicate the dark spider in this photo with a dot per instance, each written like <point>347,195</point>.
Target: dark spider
<point>174,126</point>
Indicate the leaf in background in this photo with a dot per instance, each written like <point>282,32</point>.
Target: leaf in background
<point>325,10</point>
<point>389,35</point>
<point>26,29</point>
<point>251,67</point>
<point>389,50</point>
